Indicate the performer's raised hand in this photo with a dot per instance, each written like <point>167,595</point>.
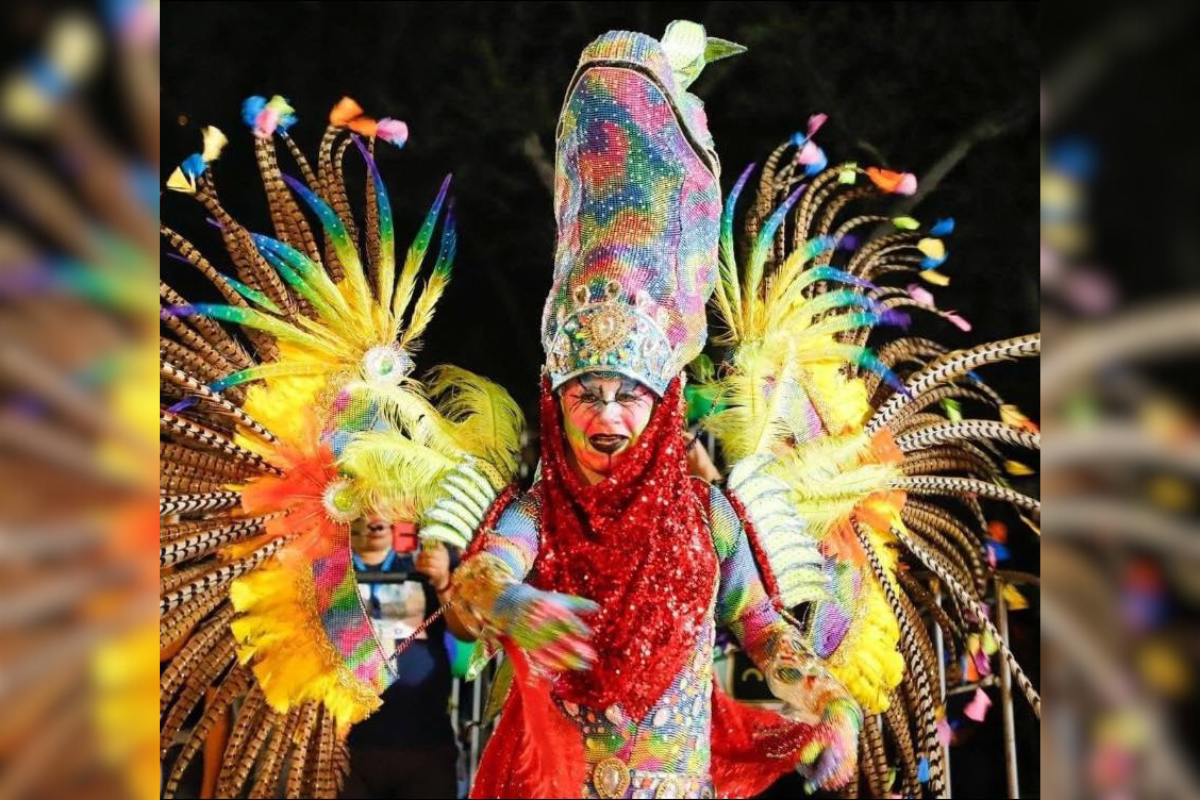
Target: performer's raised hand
<point>547,625</point>
<point>813,695</point>
<point>830,760</point>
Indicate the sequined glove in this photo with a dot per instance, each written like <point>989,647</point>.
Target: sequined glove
<point>547,625</point>
<point>811,694</point>
<point>466,497</point>
<point>830,760</point>
<point>544,624</point>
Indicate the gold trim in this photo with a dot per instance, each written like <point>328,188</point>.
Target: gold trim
<point>611,766</point>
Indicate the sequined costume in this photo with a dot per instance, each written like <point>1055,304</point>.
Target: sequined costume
<point>666,558</point>
<point>842,455</point>
<point>669,745</point>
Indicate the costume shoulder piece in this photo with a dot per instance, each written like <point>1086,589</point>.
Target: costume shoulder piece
<point>856,446</point>
<point>290,410</point>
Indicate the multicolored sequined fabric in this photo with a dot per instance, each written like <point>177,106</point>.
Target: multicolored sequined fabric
<point>638,206</point>
<point>346,622</point>
<point>672,738</point>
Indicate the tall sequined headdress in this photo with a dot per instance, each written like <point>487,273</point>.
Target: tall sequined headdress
<point>638,205</point>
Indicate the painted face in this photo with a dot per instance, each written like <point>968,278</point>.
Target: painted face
<point>604,415</point>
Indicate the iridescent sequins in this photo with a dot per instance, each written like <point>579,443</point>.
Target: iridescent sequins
<point>638,206</point>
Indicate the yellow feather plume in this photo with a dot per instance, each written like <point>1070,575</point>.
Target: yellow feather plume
<point>284,404</point>
<point>762,398</point>
<point>408,412</point>
<point>407,283</point>
<point>830,476</point>
<point>868,661</point>
<point>394,475</point>
<point>280,635</point>
<point>423,310</point>
<point>487,421</point>
<point>842,402</point>
<point>214,143</point>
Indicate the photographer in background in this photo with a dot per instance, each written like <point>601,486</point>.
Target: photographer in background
<point>406,749</point>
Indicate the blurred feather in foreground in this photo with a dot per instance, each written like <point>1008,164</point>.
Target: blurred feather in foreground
<point>76,380</point>
<point>1121,553</point>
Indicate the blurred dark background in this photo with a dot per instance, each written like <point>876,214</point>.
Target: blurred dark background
<point>949,92</point>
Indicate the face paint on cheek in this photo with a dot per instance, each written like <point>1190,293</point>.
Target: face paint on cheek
<point>603,418</point>
<point>636,419</point>
<point>575,426</point>
<point>576,437</point>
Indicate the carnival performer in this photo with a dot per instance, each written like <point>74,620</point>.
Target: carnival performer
<point>613,571</point>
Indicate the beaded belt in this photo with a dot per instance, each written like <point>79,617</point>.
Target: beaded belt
<point>613,778</point>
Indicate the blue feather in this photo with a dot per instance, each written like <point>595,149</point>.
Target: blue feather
<point>194,165</point>
<point>251,107</point>
<point>943,227</point>
<point>183,404</point>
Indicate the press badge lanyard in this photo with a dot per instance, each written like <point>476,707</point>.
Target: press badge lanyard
<point>386,566</point>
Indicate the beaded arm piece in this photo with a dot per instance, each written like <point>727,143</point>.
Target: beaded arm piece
<point>793,672</point>
<point>494,602</point>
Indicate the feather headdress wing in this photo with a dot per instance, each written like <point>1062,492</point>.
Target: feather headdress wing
<point>288,411</point>
<point>856,461</point>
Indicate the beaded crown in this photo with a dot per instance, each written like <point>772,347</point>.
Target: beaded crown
<point>638,205</point>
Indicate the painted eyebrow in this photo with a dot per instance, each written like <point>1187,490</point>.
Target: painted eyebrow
<point>627,384</point>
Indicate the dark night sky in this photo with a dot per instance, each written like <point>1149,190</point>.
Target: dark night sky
<point>902,85</point>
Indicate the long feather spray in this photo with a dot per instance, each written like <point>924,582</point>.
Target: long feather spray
<point>752,304</point>
<point>728,286</point>
<point>488,422</point>
<point>294,279</point>
<point>343,244</point>
<point>310,279</point>
<point>272,369</point>
<point>423,310</point>
<point>249,318</point>
<point>253,295</point>
<point>791,277</point>
<point>416,254</point>
<point>386,268</point>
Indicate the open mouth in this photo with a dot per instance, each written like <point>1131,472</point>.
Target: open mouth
<point>608,443</point>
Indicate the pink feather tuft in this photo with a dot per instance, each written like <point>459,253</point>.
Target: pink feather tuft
<point>809,154</point>
<point>908,184</point>
<point>961,323</point>
<point>943,731</point>
<point>921,295</point>
<point>815,122</point>
<point>978,707</point>
<point>266,122</point>
<point>392,131</point>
